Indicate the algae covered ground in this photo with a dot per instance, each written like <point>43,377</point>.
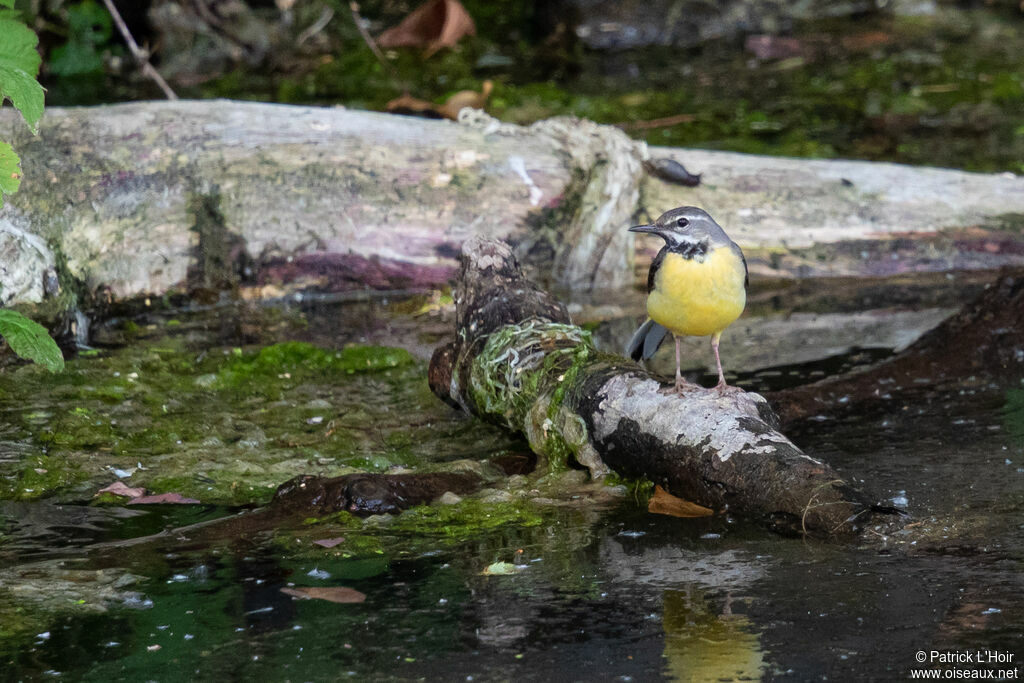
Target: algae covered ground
<point>224,425</point>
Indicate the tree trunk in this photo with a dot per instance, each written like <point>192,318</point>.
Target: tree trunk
<point>519,362</point>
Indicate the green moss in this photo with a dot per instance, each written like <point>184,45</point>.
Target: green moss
<point>1009,222</point>
<point>42,476</point>
<point>425,528</point>
<point>227,425</point>
<point>301,360</point>
<point>640,490</point>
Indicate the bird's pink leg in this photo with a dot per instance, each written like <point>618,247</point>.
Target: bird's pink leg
<point>721,386</point>
<point>681,384</point>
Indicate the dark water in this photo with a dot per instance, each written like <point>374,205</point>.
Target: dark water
<point>595,591</point>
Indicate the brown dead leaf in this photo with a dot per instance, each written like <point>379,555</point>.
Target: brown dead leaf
<point>338,594</point>
<point>465,98</point>
<point>434,25</point>
<point>176,498</point>
<point>118,488</point>
<point>664,503</point>
<point>412,106</point>
<point>330,542</point>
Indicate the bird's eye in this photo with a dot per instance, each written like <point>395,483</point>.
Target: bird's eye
<point>682,222</point>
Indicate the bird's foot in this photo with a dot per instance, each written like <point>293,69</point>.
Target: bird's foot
<point>724,389</point>
<point>682,387</point>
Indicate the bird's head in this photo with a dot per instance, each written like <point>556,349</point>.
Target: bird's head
<point>685,225</point>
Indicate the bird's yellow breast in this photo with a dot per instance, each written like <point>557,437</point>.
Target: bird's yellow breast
<point>698,298</point>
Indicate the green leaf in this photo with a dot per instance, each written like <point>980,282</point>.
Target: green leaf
<point>7,3</point>
<point>19,64</point>
<point>10,171</point>
<point>30,340</point>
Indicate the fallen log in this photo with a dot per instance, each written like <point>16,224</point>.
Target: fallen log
<point>147,198</point>
<point>519,362</point>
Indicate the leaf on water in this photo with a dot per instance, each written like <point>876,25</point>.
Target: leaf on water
<point>502,569</point>
<point>30,340</point>
<point>176,498</point>
<point>664,503</point>
<point>338,594</point>
<point>118,488</point>
<point>330,542</point>
<point>19,64</point>
<point>434,25</point>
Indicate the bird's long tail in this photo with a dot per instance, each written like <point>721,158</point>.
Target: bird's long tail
<point>646,340</point>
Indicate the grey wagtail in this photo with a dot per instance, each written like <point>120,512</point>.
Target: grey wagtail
<point>696,285</point>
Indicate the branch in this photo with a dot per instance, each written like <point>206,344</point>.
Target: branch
<point>140,56</point>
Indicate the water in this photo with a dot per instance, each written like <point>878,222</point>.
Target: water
<point>594,588</point>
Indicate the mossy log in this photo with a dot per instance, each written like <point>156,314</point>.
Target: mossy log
<point>519,362</point>
<point>148,198</point>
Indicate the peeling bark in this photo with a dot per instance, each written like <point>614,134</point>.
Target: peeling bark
<point>519,362</point>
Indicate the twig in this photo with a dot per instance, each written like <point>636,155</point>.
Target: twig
<point>367,38</point>
<point>140,56</point>
<point>316,26</point>
<point>663,122</point>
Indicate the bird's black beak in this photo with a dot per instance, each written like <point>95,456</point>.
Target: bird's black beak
<point>644,228</point>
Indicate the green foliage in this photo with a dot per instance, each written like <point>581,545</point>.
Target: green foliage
<point>30,340</point>
<point>19,64</point>
<point>89,31</point>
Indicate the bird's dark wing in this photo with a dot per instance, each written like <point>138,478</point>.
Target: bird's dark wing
<point>739,252</point>
<point>655,265</point>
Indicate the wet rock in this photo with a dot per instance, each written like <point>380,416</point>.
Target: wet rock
<point>26,263</point>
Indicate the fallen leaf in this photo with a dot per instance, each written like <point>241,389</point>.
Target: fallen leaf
<point>408,105</point>
<point>664,503</point>
<point>119,488</point>
<point>163,498</point>
<point>433,25</point>
<point>338,594</point>
<point>502,569</point>
<point>411,106</point>
<point>330,542</point>
<point>465,98</point>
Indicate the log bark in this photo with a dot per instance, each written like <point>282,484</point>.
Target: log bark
<point>518,361</point>
<point>146,198</point>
